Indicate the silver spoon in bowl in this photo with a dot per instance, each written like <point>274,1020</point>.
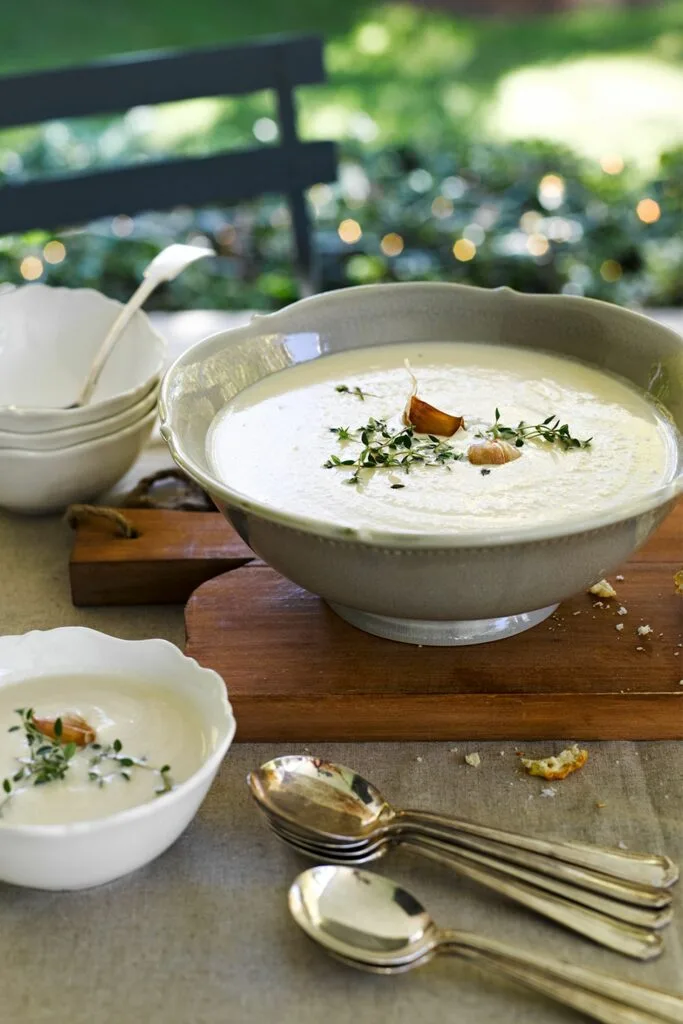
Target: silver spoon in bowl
<point>374,924</point>
<point>165,266</point>
<point>334,803</point>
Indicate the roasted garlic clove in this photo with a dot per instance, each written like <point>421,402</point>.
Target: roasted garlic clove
<point>74,729</point>
<point>426,419</point>
<point>492,453</point>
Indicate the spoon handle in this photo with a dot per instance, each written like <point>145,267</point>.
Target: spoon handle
<point>641,868</point>
<point>645,916</point>
<point>599,1007</point>
<point>664,1005</point>
<point>628,939</point>
<point>138,298</point>
<point>626,892</point>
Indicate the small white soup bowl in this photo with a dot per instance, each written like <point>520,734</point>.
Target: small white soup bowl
<point>48,339</point>
<point>51,440</point>
<point>87,853</point>
<point>42,482</point>
<point>441,588</point>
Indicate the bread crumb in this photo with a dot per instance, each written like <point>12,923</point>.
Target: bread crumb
<point>598,604</point>
<point>419,759</point>
<point>640,648</point>
<point>548,791</point>
<point>619,626</point>
<point>473,759</point>
<point>680,682</point>
<point>622,845</point>
<point>621,610</point>
<point>602,589</point>
<point>559,766</point>
<point>599,804</point>
<point>644,630</point>
<point>678,581</point>
<point>577,613</point>
<point>619,577</point>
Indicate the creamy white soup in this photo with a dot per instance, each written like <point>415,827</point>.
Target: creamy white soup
<point>155,728</point>
<point>279,440</point>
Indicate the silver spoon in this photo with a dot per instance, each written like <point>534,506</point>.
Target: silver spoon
<point>619,936</point>
<point>165,266</point>
<point>497,871</point>
<point>337,804</point>
<point>656,903</point>
<point>372,922</point>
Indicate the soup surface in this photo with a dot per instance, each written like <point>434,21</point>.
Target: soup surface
<point>150,723</point>
<point>275,441</point>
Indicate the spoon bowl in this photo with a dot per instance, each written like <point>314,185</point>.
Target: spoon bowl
<point>373,923</point>
<point>329,803</point>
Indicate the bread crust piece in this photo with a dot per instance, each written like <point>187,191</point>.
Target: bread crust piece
<point>557,766</point>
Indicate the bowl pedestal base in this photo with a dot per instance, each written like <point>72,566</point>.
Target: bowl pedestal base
<point>427,633</point>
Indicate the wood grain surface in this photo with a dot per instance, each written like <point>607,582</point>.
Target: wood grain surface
<point>296,672</point>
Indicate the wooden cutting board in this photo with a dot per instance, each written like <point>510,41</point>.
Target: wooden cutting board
<point>297,672</point>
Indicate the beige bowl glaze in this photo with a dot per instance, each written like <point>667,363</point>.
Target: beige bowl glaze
<point>431,589</point>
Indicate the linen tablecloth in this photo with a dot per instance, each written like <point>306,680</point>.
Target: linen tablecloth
<point>203,936</point>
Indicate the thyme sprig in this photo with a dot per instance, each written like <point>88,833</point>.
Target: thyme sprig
<point>383,448</point>
<point>344,389</point>
<point>551,430</point>
<point>122,765</point>
<point>49,760</point>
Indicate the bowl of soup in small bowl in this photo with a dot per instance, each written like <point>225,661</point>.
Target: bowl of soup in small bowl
<point>109,748</point>
<point>442,464</point>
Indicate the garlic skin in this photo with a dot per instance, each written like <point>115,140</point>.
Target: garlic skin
<point>427,419</point>
<point>74,729</point>
<point>492,453</point>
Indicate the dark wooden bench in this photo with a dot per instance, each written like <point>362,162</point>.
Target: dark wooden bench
<point>116,85</point>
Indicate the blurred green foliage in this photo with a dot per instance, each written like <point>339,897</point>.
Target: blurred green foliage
<point>407,96</point>
<point>529,215</point>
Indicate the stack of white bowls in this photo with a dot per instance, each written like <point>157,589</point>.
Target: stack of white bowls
<point>51,455</point>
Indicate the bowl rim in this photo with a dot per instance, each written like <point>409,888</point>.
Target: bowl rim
<point>392,539</point>
<point>99,428</point>
<point>89,443</point>
<point>131,814</point>
<point>39,411</point>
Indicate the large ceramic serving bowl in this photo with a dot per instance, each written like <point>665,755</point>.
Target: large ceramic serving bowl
<point>439,588</point>
<point>48,340</point>
<point>87,853</point>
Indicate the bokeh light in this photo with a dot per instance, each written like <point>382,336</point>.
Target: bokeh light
<point>648,211</point>
<point>392,244</point>
<point>122,226</point>
<point>31,268</point>
<point>474,233</point>
<point>265,129</point>
<point>612,163</point>
<point>464,250</point>
<point>54,252</point>
<point>551,190</point>
<point>350,231</point>
<point>610,271</point>
<point>537,244</point>
<point>442,207</point>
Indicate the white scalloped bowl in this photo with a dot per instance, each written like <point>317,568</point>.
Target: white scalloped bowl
<point>88,853</point>
<point>43,482</point>
<point>48,339</point>
<point>51,440</point>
